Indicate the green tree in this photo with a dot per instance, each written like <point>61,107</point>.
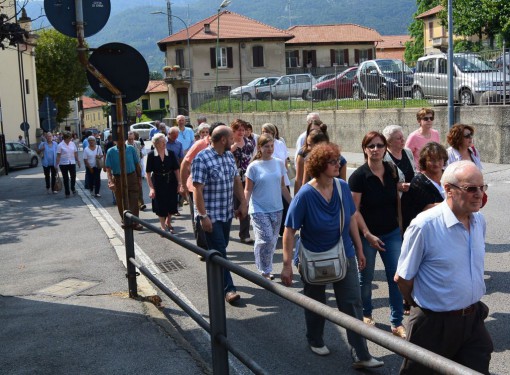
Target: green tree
<point>414,48</point>
<point>155,75</point>
<point>59,73</point>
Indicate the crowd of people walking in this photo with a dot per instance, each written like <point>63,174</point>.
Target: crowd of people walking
<point>406,201</point>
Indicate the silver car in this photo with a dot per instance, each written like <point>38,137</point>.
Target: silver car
<point>143,128</point>
<point>292,85</point>
<point>474,81</point>
<point>248,91</point>
<point>19,155</point>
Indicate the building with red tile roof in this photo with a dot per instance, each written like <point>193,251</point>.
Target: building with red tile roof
<point>93,116</point>
<point>392,46</point>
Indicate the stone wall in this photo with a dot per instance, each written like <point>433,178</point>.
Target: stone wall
<point>347,128</point>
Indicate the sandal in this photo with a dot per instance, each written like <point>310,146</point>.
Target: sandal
<point>170,229</point>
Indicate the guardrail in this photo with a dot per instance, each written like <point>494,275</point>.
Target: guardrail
<point>216,327</point>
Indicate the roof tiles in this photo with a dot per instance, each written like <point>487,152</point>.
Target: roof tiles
<point>341,33</point>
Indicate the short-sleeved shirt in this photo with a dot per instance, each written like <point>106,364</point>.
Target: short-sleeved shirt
<point>186,137</point>
<point>190,155</point>
<point>267,176</point>
<point>405,165</point>
<point>378,204</point>
<point>67,153</point>
<point>445,260</point>
<point>243,156</point>
<point>416,141</point>
<point>90,155</point>
<point>281,152</point>
<point>49,156</point>
<point>319,220</point>
<point>216,172</point>
<point>113,159</point>
<point>454,155</point>
<point>176,148</point>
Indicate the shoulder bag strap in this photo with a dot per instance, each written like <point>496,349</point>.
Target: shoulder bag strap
<point>342,214</point>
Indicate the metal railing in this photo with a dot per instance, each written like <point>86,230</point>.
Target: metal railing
<point>216,327</point>
<point>479,79</point>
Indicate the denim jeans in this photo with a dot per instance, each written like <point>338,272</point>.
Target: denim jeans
<point>392,244</point>
<point>218,240</point>
<point>348,300</point>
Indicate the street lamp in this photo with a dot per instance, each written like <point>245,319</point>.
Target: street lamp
<point>187,42</point>
<point>224,4</point>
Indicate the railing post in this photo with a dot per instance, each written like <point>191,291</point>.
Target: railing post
<point>217,317</point>
<point>129,242</point>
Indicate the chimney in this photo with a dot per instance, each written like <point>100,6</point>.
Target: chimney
<point>207,28</point>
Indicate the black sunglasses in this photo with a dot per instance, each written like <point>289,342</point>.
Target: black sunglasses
<point>374,145</point>
<point>428,118</point>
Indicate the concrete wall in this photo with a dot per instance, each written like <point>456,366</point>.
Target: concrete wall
<point>347,128</point>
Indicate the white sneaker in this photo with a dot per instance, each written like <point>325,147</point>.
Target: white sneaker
<point>323,350</point>
<point>368,363</point>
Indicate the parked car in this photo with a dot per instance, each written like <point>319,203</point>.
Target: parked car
<point>292,85</point>
<point>499,64</point>
<point>339,86</point>
<point>382,78</point>
<point>19,155</point>
<point>143,128</point>
<point>325,77</point>
<point>474,81</point>
<point>248,91</point>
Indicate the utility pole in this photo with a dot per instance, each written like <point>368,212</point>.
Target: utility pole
<point>169,14</point>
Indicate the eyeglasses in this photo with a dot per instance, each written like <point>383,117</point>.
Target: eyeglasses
<point>333,162</point>
<point>427,118</point>
<point>471,189</point>
<point>374,145</point>
<point>468,135</point>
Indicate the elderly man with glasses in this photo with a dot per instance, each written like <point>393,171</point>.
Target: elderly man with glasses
<point>440,274</point>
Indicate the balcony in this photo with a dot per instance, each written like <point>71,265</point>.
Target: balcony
<point>176,74</point>
<point>440,42</point>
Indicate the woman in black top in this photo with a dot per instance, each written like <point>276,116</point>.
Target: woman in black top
<point>425,190</point>
<point>399,155</point>
<point>163,180</point>
<point>374,190</point>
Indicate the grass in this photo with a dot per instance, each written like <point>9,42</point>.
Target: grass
<point>234,105</point>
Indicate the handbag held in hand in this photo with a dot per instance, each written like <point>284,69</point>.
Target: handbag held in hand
<point>58,183</point>
<point>320,268</point>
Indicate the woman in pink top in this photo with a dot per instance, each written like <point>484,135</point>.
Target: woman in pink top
<point>423,135</point>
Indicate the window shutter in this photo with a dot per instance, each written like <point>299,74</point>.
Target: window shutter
<point>213,57</point>
<point>370,54</point>
<point>305,61</point>
<point>356,56</point>
<point>230,60</point>
<point>314,58</point>
<point>258,56</point>
<point>332,56</point>
<point>346,56</point>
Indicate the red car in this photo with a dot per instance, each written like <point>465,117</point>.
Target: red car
<point>326,90</point>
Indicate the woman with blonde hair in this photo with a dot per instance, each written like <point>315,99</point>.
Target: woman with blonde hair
<point>264,185</point>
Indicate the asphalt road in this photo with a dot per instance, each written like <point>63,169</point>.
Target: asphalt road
<point>272,331</point>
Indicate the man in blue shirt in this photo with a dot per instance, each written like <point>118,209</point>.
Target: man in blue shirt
<point>134,179</point>
<point>173,144</point>
<point>159,127</point>
<point>216,180</point>
<point>440,273</point>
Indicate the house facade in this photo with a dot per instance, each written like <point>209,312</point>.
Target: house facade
<point>327,46</point>
<point>247,49</point>
<point>435,35</point>
<point>392,47</point>
<point>18,83</point>
<point>155,97</point>
<point>93,115</point>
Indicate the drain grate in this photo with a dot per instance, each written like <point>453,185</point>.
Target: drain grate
<point>172,265</point>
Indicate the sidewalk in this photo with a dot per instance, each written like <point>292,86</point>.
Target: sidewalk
<point>64,307</point>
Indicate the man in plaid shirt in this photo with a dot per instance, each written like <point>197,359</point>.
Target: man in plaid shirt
<point>216,180</point>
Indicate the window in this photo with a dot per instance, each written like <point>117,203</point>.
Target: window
<point>339,56</point>
<point>442,69</point>
<point>162,103</point>
<point>291,59</point>
<point>222,59</point>
<point>27,87</point>
<point>361,55</point>
<point>431,30</point>
<point>145,104</point>
<point>258,56</point>
<point>179,57</point>
<point>303,78</point>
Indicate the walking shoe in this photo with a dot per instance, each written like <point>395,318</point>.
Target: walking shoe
<point>75,192</point>
<point>55,192</point>
<point>48,191</point>
<point>368,320</point>
<point>231,297</point>
<point>368,363</point>
<point>97,195</point>
<point>247,240</point>
<point>323,350</point>
<point>268,276</point>
<point>399,331</point>
<point>143,207</point>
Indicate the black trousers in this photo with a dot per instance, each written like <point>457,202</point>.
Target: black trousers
<point>47,171</point>
<point>68,172</point>
<point>463,339</point>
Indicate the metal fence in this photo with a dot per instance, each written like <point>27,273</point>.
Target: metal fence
<point>478,79</point>
<point>217,325</point>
